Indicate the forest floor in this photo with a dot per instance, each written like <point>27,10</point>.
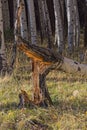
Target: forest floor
<point>69,110</point>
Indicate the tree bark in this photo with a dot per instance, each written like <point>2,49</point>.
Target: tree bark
<point>70,19</point>
<point>3,60</point>
<point>32,21</point>
<point>17,31</point>
<point>23,21</point>
<point>48,28</point>
<point>85,32</point>
<point>76,24</point>
<point>6,18</point>
<point>59,38</point>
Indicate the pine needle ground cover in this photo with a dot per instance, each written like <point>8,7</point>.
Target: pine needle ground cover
<point>69,110</point>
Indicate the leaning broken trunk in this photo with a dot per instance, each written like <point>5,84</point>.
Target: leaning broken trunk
<point>43,61</point>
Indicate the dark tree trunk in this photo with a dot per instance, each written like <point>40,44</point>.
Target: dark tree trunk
<point>85,31</point>
<point>10,3</point>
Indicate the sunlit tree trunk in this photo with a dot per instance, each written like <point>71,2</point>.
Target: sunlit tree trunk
<point>32,21</point>
<point>70,19</point>
<point>58,26</point>
<point>3,62</point>
<point>6,18</point>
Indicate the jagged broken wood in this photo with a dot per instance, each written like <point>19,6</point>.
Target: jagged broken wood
<point>43,61</point>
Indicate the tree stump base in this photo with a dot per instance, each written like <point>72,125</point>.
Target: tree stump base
<point>24,101</point>
<point>43,61</point>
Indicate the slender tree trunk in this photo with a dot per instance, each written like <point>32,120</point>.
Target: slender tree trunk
<point>17,31</point>
<point>3,60</point>
<point>85,32</point>
<point>70,19</point>
<point>6,18</point>
<point>11,13</point>
<point>32,21</point>
<point>76,24</point>
<point>23,20</point>
<point>59,39</point>
<point>14,9</point>
<point>42,21</point>
<point>47,23</point>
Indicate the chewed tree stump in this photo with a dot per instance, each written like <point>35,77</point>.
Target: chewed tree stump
<point>43,61</point>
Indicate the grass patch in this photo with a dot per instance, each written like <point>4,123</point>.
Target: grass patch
<point>69,96</point>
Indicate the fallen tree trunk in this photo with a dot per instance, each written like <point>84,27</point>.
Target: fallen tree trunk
<point>74,67</point>
<point>43,61</point>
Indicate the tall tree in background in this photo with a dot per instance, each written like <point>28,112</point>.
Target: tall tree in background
<point>32,21</point>
<point>23,20</point>
<point>47,23</point>
<point>3,60</point>
<point>17,30</point>
<point>70,19</point>
<point>42,20</point>
<point>76,24</point>
<point>85,31</point>
<point>59,38</point>
<point>11,12</point>
<point>5,12</point>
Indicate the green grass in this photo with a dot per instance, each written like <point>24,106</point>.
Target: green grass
<point>69,96</point>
